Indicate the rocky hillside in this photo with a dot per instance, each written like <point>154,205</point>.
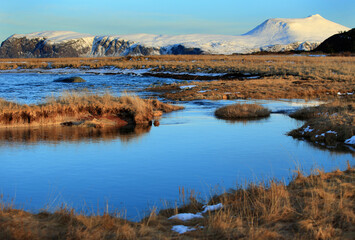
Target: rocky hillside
<point>273,35</point>
<point>338,43</point>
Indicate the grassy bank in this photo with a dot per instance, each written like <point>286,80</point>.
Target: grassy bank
<point>329,124</point>
<point>84,109</point>
<point>320,206</point>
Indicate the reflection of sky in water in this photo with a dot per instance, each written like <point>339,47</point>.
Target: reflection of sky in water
<point>191,148</point>
<point>32,87</point>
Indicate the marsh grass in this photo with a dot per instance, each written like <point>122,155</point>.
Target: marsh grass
<point>335,68</point>
<point>242,111</point>
<point>319,206</point>
<point>79,106</point>
<point>330,123</point>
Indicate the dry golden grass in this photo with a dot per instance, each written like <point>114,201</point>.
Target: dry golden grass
<point>283,76</point>
<point>303,67</point>
<point>279,87</point>
<point>242,111</point>
<point>83,107</point>
<point>320,206</point>
<point>331,123</point>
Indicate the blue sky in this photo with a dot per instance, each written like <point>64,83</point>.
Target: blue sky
<point>232,17</point>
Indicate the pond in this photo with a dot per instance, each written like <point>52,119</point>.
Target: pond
<point>135,169</point>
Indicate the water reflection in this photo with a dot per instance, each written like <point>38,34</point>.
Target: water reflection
<point>57,134</point>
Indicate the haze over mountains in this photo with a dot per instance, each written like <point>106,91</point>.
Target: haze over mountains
<point>274,35</point>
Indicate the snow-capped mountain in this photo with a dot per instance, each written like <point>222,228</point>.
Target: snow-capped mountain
<point>277,34</point>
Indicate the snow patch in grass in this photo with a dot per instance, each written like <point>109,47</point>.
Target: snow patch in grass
<point>307,129</point>
<point>333,132</point>
<point>187,87</point>
<point>186,216</point>
<point>207,208</point>
<point>182,229</point>
<point>350,141</point>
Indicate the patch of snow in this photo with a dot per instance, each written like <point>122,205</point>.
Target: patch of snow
<point>333,132</point>
<point>307,129</point>
<point>187,87</point>
<point>350,141</point>
<point>203,91</point>
<point>253,77</point>
<point>207,208</point>
<point>186,216</point>
<point>182,229</point>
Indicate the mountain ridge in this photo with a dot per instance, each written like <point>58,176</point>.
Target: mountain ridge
<point>275,34</point>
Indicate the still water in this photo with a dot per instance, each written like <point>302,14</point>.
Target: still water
<point>135,169</point>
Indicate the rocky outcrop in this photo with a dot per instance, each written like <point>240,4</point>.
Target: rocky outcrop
<point>39,47</point>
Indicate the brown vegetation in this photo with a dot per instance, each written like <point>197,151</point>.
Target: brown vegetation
<point>242,111</point>
<point>84,109</point>
<point>320,206</point>
<point>266,88</point>
<point>281,76</point>
<point>328,124</point>
<point>302,67</point>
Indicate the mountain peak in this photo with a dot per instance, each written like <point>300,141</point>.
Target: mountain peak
<point>315,16</point>
<point>314,28</point>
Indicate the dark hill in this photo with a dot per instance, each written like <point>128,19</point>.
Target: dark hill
<point>341,42</point>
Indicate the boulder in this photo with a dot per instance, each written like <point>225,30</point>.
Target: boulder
<point>70,80</point>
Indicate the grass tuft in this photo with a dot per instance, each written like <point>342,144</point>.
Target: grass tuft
<point>242,111</point>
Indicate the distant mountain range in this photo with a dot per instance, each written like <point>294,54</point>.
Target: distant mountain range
<point>273,35</point>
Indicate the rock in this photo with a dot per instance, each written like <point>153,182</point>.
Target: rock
<point>70,80</point>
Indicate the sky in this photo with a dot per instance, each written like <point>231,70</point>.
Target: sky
<point>114,17</point>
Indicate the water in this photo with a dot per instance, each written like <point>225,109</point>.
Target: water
<point>134,169</point>
<point>33,87</point>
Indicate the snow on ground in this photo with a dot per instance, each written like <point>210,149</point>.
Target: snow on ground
<point>350,141</point>
<point>208,208</point>
<point>57,36</point>
<point>186,216</point>
<point>333,132</point>
<point>187,87</point>
<point>182,229</point>
<point>307,129</point>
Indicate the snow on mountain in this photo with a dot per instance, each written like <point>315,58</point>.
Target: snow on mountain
<point>277,34</point>
<point>54,37</point>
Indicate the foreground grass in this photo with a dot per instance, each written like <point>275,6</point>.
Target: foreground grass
<point>320,206</point>
<point>84,109</point>
<point>242,111</point>
<point>328,124</point>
